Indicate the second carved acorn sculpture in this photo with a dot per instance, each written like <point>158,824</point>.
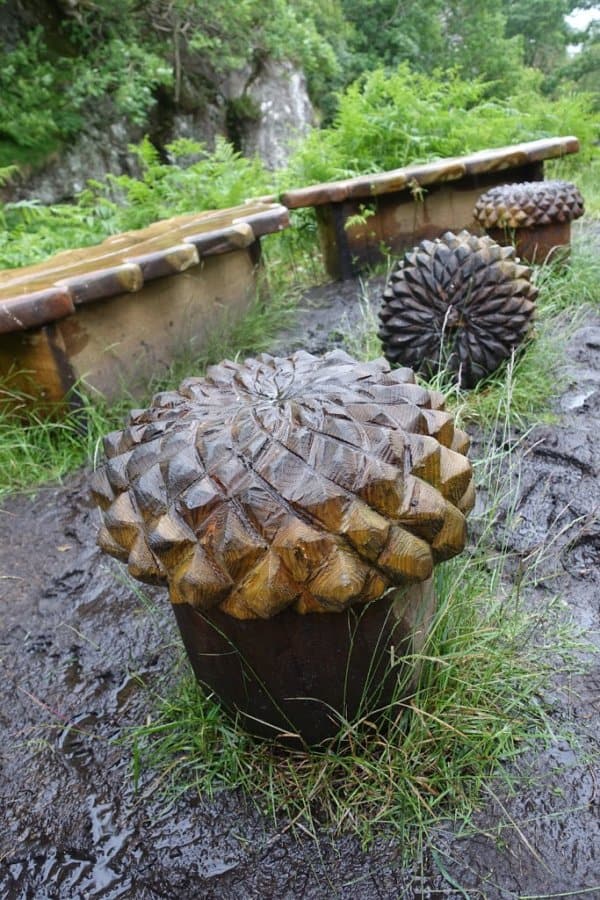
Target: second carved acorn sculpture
<point>461,303</point>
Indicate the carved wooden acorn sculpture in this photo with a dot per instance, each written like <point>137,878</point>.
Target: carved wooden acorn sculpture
<point>535,216</point>
<point>280,499</point>
<point>460,303</point>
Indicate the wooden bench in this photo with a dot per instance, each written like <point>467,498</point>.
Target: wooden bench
<point>112,315</point>
<point>405,206</point>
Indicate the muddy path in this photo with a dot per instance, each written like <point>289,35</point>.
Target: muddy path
<point>81,653</point>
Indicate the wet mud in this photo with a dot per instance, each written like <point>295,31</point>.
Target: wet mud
<point>81,651</point>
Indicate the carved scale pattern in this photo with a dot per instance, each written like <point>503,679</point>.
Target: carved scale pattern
<point>303,482</point>
<point>459,303</point>
<point>529,204</point>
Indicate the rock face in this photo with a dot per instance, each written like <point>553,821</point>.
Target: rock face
<point>95,153</point>
<point>283,112</point>
<point>262,112</point>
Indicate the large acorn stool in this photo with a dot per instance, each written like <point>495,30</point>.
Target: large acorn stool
<point>534,216</point>
<point>295,507</point>
<point>459,304</point>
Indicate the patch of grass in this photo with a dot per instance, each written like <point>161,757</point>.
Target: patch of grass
<point>578,283</point>
<point>35,448</point>
<point>360,339</point>
<point>536,373</point>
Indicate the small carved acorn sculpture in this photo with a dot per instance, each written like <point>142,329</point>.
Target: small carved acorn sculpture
<point>460,303</point>
<point>278,498</point>
<point>536,216</point>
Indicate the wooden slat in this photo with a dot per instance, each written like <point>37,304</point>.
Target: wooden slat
<point>430,173</point>
<point>85,286</point>
<point>167,261</point>
<point>35,309</point>
<point>235,238</point>
<point>46,291</point>
<point>267,221</point>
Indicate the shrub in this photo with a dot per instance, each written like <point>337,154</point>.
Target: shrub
<point>386,120</point>
<point>214,180</point>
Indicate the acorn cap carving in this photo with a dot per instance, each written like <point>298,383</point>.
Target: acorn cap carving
<point>302,482</point>
<point>529,204</point>
<point>461,303</point>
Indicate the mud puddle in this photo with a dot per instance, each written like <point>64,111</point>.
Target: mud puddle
<point>79,649</point>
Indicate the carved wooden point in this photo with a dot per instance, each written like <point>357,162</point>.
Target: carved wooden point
<point>293,482</point>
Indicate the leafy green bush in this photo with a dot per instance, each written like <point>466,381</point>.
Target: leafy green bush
<point>386,120</point>
<point>44,96</point>
<point>127,71</point>
<point>214,180</point>
<point>30,231</point>
<point>34,113</point>
<point>124,52</point>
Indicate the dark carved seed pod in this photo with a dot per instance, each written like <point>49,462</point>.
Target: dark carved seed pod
<point>460,303</point>
<point>303,482</point>
<point>528,204</point>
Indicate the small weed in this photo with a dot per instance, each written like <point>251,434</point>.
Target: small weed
<point>361,339</point>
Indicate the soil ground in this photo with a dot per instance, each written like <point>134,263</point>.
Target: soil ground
<point>77,645</point>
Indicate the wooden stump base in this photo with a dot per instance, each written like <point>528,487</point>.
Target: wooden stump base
<point>540,244</point>
<point>295,678</point>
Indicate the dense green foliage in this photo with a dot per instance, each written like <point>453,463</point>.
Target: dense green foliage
<point>45,97</point>
<point>582,71</point>
<point>91,61</point>
<point>28,114</point>
<point>399,110</point>
<point>129,53</point>
<point>386,120</point>
<point>492,40</point>
<point>543,28</point>
<point>204,180</point>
